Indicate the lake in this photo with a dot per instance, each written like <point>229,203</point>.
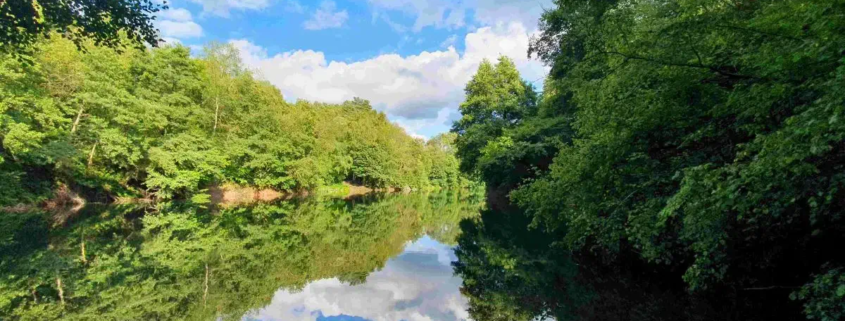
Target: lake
<point>417,256</point>
<point>376,257</point>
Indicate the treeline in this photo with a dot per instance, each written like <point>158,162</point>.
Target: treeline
<point>160,123</point>
<point>695,146</point>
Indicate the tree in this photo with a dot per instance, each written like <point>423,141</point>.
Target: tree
<point>105,22</point>
<point>497,101</point>
<point>223,67</point>
<point>159,123</point>
<point>702,135</point>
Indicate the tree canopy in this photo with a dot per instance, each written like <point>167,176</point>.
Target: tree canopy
<point>159,123</point>
<point>108,23</point>
<point>703,136</point>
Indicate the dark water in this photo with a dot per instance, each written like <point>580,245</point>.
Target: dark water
<point>372,258</point>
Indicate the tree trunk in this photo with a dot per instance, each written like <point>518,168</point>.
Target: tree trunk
<point>91,154</point>
<point>205,286</point>
<point>84,260</point>
<point>76,121</point>
<point>216,113</point>
<point>61,292</point>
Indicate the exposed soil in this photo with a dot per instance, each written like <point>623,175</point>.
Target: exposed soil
<point>64,205</point>
<point>230,195</point>
<point>355,190</point>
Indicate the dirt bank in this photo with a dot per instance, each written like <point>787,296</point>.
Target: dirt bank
<point>230,194</point>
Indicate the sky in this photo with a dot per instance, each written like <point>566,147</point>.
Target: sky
<point>410,58</point>
<point>417,285</point>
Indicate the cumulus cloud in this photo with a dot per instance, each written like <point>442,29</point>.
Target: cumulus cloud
<point>224,7</point>
<point>177,14</point>
<point>177,24</point>
<point>179,29</point>
<point>326,16</point>
<point>416,285</point>
<point>453,14</point>
<point>418,91</point>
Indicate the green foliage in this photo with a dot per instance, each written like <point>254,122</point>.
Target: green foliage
<point>824,297</point>
<point>511,272</point>
<point>159,122</point>
<point>704,136</point>
<point>497,102</point>
<point>107,23</point>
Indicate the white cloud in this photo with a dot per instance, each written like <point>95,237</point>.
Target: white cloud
<point>179,29</point>
<point>416,285</point>
<point>449,42</point>
<point>169,41</point>
<point>178,14</point>
<point>420,91</point>
<point>326,17</point>
<point>453,14</point>
<point>426,128</point>
<point>223,7</point>
<point>418,136</point>
<point>177,23</point>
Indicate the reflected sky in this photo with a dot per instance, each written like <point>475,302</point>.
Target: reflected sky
<point>416,285</point>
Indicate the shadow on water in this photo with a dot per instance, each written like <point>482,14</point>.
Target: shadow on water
<point>511,271</point>
<point>185,262</point>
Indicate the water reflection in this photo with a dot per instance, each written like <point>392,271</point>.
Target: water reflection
<point>376,257</point>
<point>416,285</point>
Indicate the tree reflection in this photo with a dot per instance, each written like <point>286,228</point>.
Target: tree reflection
<point>511,271</point>
<point>184,262</point>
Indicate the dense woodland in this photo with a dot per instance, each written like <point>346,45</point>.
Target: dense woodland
<point>685,161</point>
<point>159,123</point>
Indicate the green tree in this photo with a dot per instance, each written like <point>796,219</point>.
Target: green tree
<point>499,131</point>
<point>158,123</point>
<point>107,23</point>
<point>700,135</point>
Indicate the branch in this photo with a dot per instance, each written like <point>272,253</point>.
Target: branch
<point>715,69</point>
<point>692,46</point>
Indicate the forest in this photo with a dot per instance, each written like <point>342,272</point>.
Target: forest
<point>682,160</point>
<point>685,161</point>
<point>161,124</point>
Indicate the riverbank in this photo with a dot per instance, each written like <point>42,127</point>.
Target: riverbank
<point>65,202</point>
<point>232,194</point>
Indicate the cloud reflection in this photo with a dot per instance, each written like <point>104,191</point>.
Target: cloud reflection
<point>416,285</point>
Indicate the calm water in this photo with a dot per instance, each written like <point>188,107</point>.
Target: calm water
<point>389,257</point>
<point>415,285</point>
<point>372,258</point>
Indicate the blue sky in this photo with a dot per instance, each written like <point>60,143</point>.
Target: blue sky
<point>410,58</point>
